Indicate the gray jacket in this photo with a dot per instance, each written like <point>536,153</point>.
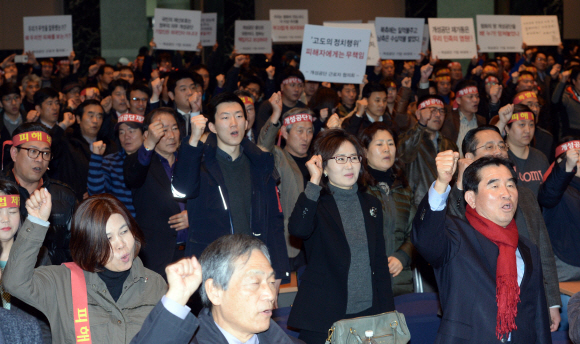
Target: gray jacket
<point>291,180</point>
<point>530,225</point>
<point>48,289</point>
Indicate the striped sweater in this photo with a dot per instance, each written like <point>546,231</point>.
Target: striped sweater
<point>106,176</point>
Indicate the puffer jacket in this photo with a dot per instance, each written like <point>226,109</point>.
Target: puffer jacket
<point>48,289</point>
<point>417,151</point>
<point>63,205</point>
<point>398,214</point>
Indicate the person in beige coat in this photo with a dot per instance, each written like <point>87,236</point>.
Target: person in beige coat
<point>105,241</point>
<point>297,129</point>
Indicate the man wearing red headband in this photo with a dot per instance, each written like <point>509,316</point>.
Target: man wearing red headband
<point>569,97</point>
<point>460,121</point>
<point>31,153</point>
<point>297,129</point>
<point>419,146</point>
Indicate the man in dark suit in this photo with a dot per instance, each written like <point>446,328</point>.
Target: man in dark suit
<point>490,278</point>
<point>148,174</point>
<point>238,303</point>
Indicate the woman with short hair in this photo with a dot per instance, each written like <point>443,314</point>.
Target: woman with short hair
<point>347,275</point>
<point>105,241</point>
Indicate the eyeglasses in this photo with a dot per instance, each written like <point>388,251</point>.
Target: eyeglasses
<point>144,100</point>
<point>490,147</point>
<point>33,153</point>
<point>435,110</point>
<point>11,99</point>
<point>355,159</point>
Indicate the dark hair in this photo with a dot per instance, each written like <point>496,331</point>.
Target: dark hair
<point>371,87</point>
<point>324,98</point>
<point>289,72</point>
<point>8,187</point>
<point>338,87</point>
<point>101,70</point>
<point>574,73</point>
<point>198,67</point>
<point>96,59</point>
<point>89,246</point>
<point>127,68</point>
<point>162,110</point>
<point>243,93</point>
<point>80,111</point>
<point>470,143</point>
<point>463,84</point>
<point>522,108</point>
<point>387,82</point>
<point>472,177</point>
<point>43,94</point>
<point>175,76</point>
<point>252,79</point>
<point>535,55</point>
<point>197,79</point>
<point>327,143</point>
<point>225,97</point>
<point>138,86</point>
<point>164,56</point>
<point>9,88</point>
<point>119,83</point>
<point>366,137</point>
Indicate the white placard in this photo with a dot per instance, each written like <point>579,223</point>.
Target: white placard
<point>452,38</point>
<point>373,54</point>
<point>208,29</point>
<point>541,30</point>
<point>334,54</point>
<point>499,34</point>
<point>48,36</point>
<point>399,38</point>
<point>288,25</point>
<point>253,37</point>
<point>176,29</point>
<point>425,42</point>
<point>353,21</point>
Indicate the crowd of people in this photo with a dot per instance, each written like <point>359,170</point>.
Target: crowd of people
<point>424,178</point>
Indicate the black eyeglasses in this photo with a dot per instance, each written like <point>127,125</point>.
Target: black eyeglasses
<point>355,159</point>
<point>33,153</point>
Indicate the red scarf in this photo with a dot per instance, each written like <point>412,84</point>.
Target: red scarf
<point>506,276</point>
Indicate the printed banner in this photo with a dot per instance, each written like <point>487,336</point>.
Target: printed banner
<point>177,29</point>
<point>253,37</point>
<point>452,38</point>
<point>499,34</point>
<point>208,29</point>
<point>541,30</point>
<point>288,25</point>
<point>399,38</point>
<point>373,55</point>
<point>48,36</point>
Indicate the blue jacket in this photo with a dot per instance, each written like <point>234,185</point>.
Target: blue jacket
<point>198,178</point>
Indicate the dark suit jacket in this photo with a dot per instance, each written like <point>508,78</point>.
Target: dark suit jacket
<point>154,204</point>
<point>530,225</point>
<point>465,268</point>
<point>162,327</point>
<point>450,128</point>
<point>323,293</point>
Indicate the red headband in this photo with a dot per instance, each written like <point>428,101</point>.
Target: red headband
<point>247,100</point>
<point>292,80</point>
<point>10,201</point>
<point>430,101</point>
<point>390,84</point>
<point>454,64</point>
<point>526,77</point>
<point>443,78</point>
<point>467,90</point>
<point>491,79</point>
<point>19,139</point>
<point>129,117</point>
<point>443,71</point>
<point>523,96</point>
<point>521,116</point>
<point>564,147</point>
<point>531,69</point>
<point>301,117</point>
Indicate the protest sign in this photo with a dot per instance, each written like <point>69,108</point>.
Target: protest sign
<point>176,29</point>
<point>373,53</point>
<point>288,25</point>
<point>208,30</point>
<point>48,36</point>
<point>353,21</point>
<point>541,30</point>
<point>452,38</point>
<point>399,38</point>
<point>499,33</point>
<point>253,37</point>
<point>334,54</point>
<point>425,42</point>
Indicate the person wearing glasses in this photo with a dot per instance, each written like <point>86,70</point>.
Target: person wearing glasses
<point>347,275</point>
<point>487,141</point>
<point>30,156</point>
<point>420,144</point>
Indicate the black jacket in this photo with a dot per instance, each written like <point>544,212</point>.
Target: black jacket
<point>63,205</point>
<point>197,177</point>
<point>465,268</point>
<point>154,204</point>
<point>323,293</point>
<point>162,327</point>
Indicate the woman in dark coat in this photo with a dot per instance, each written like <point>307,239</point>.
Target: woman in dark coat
<point>386,181</point>
<point>347,274</point>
